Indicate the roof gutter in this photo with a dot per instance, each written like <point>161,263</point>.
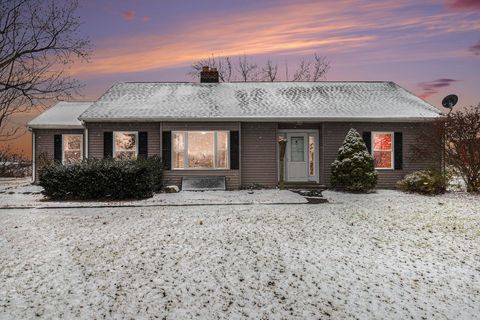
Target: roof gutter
<point>54,126</point>
<point>265,119</point>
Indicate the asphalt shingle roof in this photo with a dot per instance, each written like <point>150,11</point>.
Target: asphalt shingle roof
<point>63,115</point>
<point>255,101</point>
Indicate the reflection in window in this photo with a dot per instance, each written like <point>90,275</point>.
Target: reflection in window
<point>222,149</point>
<point>178,150</point>
<point>311,155</point>
<point>382,150</point>
<point>72,148</point>
<point>125,145</point>
<point>200,149</point>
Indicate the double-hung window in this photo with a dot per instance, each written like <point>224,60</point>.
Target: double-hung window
<point>125,144</point>
<point>72,148</point>
<point>382,149</point>
<point>200,149</point>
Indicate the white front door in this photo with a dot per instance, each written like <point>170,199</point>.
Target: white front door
<point>297,157</point>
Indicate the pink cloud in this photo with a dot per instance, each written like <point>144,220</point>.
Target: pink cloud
<point>433,87</point>
<point>145,19</point>
<point>475,49</point>
<point>129,15</point>
<point>464,4</point>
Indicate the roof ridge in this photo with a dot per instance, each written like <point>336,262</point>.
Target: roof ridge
<point>236,82</point>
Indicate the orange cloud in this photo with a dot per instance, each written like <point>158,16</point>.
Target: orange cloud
<point>327,27</point>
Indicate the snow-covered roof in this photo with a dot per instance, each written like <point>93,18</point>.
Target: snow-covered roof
<point>63,115</point>
<point>259,101</point>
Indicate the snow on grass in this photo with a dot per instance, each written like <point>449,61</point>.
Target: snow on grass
<point>382,255</point>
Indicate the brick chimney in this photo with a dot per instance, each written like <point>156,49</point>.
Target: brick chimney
<point>208,75</point>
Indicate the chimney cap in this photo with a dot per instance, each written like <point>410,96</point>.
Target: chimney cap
<point>205,68</point>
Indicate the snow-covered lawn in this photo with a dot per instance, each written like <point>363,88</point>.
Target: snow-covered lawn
<point>385,255</point>
<point>22,193</point>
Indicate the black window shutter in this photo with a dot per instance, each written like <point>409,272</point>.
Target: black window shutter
<point>234,150</point>
<point>167,149</point>
<point>143,144</point>
<point>398,150</point>
<point>367,138</point>
<point>108,145</point>
<point>57,147</point>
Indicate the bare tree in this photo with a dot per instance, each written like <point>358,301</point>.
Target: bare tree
<point>462,147</point>
<point>13,164</point>
<point>320,68</point>
<point>458,137</point>
<point>269,71</point>
<point>223,64</point>
<point>37,40</point>
<point>303,71</point>
<point>246,69</point>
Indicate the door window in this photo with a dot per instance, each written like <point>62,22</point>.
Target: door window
<point>297,149</point>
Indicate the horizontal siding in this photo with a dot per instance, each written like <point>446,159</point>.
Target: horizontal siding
<point>259,154</point>
<point>174,177</point>
<point>179,126</point>
<point>44,145</point>
<point>96,130</point>
<point>334,134</point>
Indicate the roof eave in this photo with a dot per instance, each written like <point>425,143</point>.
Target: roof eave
<point>55,126</point>
<point>264,119</point>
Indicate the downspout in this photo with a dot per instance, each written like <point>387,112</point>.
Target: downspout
<point>85,134</point>
<point>33,156</point>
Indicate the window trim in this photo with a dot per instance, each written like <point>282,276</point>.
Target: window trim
<point>185,150</point>
<point>63,143</point>
<point>114,149</point>
<point>392,150</point>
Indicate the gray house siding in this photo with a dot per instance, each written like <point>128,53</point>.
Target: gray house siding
<point>334,134</point>
<point>258,152</point>
<point>44,145</point>
<point>258,147</point>
<point>96,130</point>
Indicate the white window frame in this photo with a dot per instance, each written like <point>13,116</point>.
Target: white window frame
<point>63,143</point>
<point>391,133</point>
<point>114,149</point>
<point>185,150</point>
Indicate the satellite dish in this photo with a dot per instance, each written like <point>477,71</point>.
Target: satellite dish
<point>450,101</point>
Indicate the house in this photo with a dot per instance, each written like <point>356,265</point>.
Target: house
<point>232,129</point>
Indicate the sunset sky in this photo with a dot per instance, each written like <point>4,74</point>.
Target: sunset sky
<point>431,48</point>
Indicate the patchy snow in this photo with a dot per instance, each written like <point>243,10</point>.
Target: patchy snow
<point>28,196</point>
<point>381,255</point>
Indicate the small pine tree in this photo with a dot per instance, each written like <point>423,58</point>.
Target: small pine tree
<point>354,169</point>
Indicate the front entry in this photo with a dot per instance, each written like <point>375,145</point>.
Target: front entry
<point>300,156</point>
<point>297,157</point>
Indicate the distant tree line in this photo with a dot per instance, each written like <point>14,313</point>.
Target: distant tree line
<point>242,68</point>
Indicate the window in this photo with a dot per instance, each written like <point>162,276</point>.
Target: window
<point>72,148</point>
<point>200,149</point>
<point>125,145</point>
<point>382,148</point>
<point>297,149</point>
